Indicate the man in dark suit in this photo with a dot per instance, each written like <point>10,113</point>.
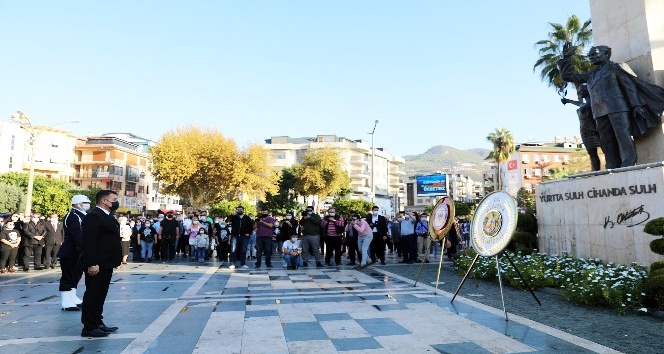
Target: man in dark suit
<point>102,251</point>
<point>54,236</point>
<point>70,251</point>
<point>33,242</point>
<point>378,224</point>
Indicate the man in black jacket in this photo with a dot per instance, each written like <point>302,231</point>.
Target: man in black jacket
<point>33,242</point>
<point>241,228</point>
<point>102,251</point>
<point>54,238</point>
<point>378,224</point>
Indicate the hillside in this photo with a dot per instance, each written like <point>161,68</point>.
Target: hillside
<point>449,160</point>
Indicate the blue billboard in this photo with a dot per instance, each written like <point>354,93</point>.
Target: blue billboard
<point>432,185</point>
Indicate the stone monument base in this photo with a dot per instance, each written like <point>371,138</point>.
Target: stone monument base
<point>602,214</point>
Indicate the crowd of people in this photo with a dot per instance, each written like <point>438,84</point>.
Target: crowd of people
<point>310,239</point>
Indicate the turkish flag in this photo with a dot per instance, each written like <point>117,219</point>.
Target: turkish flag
<point>511,165</point>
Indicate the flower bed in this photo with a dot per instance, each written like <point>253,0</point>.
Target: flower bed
<point>586,281</point>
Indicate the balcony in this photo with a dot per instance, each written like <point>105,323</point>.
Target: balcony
<point>360,161</point>
<point>95,162</point>
<point>132,178</point>
<point>396,171</point>
<point>360,174</point>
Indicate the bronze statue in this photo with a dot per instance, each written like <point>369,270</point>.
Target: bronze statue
<point>588,128</point>
<point>623,105</point>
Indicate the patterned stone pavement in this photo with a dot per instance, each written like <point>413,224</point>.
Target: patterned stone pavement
<point>186,308</point>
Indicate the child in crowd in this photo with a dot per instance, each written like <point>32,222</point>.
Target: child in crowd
<point>202,243</point>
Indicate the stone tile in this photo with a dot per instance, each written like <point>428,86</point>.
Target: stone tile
<point>312,347</point>
<point>332,317</point>
<point>300,331</point>
<point>347,344</point>
<point>261,313</point>
<point>460,348</point>
<point>382,327</point>
<point>343,329</point>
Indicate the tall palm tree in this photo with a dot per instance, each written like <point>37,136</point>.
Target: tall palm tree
<point>551,50</point>
<point>503,147</point>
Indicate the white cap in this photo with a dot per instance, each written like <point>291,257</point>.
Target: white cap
<point>79,198</point>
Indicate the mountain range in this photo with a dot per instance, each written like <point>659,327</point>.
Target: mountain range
<point>446,159</point>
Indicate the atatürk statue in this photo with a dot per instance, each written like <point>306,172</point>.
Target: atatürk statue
<point>623,105</point>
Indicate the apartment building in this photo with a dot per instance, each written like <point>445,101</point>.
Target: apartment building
<point>357,156</point>
<point>54,151</point>
<point>110,162</point>
<point>534,161</point>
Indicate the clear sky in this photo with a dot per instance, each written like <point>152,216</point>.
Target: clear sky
<point>433,72</point>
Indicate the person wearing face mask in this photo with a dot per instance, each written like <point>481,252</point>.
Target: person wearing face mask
<point>222,233</point>
<point>291,251</point>
<point>241,229</point>
<point>423,239</point>
<point>70,250</point>
<point>264,227</point>
<point>378,224</point>
<point>33,242</point>
<point>55,233</point>
<point>408,242</point>
<point>193,232</point>
<point>202,242</point>
<point>134,245</point>
<point>102,252</point>
<point>168,235</point>
<point>10,239</point>
<point>310,227</point>
<point>333,231</point>
<point>125,237</point>
<point>147,236</point>
<point>287,228</point>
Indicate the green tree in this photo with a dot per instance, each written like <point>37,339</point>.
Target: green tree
<point>227,208</point>
<point>503,147</point>
<point>203,166</point>
<point>557,173</point>
<point>321,173</point>
<point>48,195</point>
<point>10,198</point>
<point>347,206</point>
<point>461,208</point>
<point>525,200</point>
<point>551,50</point>
<point>285,199</point>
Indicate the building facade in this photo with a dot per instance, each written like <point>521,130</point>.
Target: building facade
<point>533,162</point>
<point>110,162</point>
<point>388,177</point>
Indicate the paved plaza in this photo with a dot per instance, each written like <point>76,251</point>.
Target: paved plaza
<point>186,308</point>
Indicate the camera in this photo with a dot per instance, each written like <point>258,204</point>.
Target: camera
<point>305,213</point>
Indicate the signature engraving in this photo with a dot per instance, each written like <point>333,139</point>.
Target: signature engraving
<point>631,218</point>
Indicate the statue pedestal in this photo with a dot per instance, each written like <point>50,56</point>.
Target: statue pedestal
<point>602,214</point>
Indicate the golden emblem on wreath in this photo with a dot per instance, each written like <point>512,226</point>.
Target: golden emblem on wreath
<point>493,222</point>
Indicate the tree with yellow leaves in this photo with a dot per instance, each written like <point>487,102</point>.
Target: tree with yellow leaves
<point>321,173</point>
<point>203,166</point>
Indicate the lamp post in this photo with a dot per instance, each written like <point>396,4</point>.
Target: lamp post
<point>373,153</point>
<point>24,121</point>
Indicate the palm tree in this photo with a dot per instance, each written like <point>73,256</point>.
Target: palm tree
<point>551,50</point>
<point>503,147</point>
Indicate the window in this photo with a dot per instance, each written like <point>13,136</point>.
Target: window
<point>13,141</point>
<point>11,159</point>
<point>527,172</point>
<point>528,186</point>
<point>280,155</point>
<point>141,189</point>
<point>556,158</point>
<point>536,158</point>
<point>545,158</point>
<point>538,172</point>
<point>525,158</point>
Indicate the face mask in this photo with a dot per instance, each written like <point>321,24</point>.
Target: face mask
<point>288,217</point>
<point>54,219</point>
<point>293,239</point>
<point>222,224</point>
<point>35,220</point>
<point>276,224</point>
<point>9,227</point>
<point>85,206</point>
<point>195,222</point>
<point>239,212</point>
<point>132,224</point>
<point>147,224</point>
<point>115,205</point>
<point>333,214</point>
<point>309,212</point>
<point>14,218</point>
<point>201,233</point>
<point>375,212</point>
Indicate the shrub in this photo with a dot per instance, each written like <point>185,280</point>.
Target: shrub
<point>657,246</point>
<point>525,239</point>
<point>656,273</point>
<point>526,222</point>
<point>531,267</point>
<point>654,286</point>
<point>655,227</point>
<point>485,267</point>
<point>656,265</point>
